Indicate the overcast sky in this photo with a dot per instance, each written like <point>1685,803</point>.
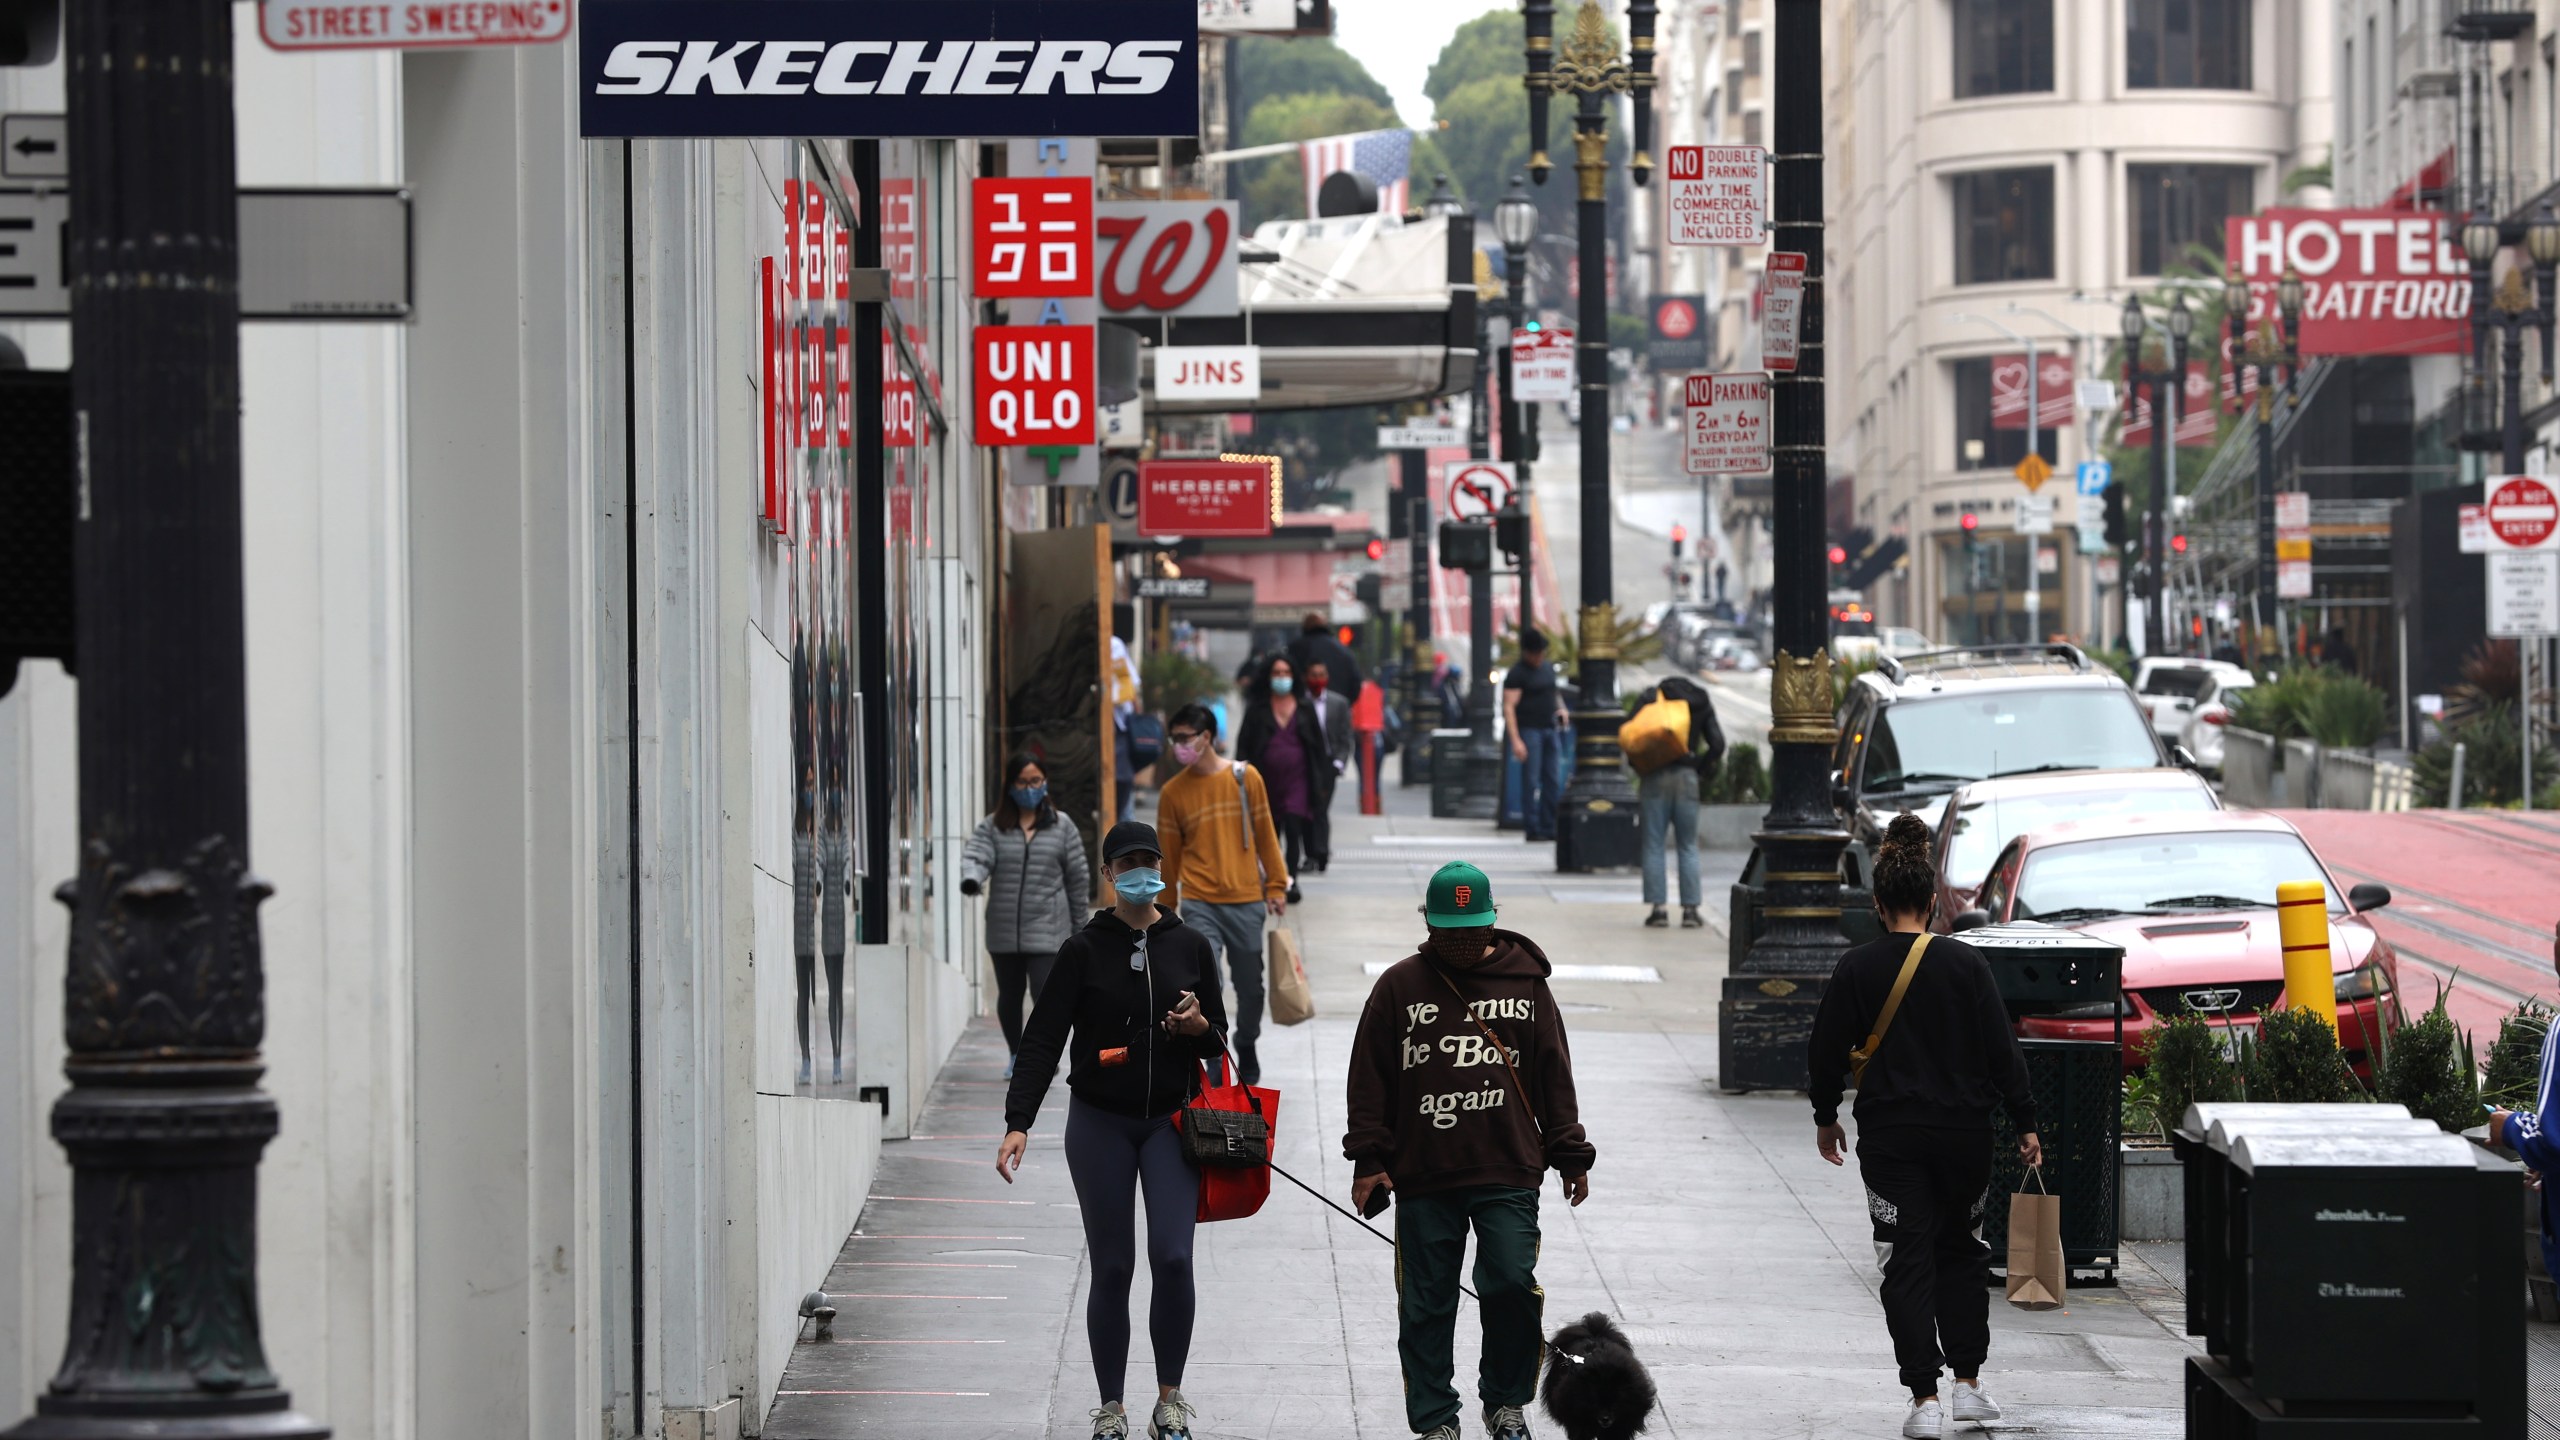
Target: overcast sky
<point>1398,40</point>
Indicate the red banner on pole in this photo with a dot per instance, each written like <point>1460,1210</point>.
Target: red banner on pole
<point>2053,391</point>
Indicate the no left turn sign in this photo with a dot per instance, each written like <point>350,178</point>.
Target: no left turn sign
<point>1478,489</point>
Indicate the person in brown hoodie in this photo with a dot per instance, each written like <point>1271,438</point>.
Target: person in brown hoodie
<point>1460,1100</point>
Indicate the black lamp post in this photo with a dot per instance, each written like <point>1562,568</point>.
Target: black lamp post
<point>1596,823</point>
<point>2513,312</point>
<point>1515,224</point>
<point>1483,794</point>
<point>2167,386</point>
<point>2271,354</point>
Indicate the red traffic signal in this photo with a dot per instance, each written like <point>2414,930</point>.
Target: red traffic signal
<point>2178,544</point>
<point>1377,549</point>
<point>1970,521</point>
<point>1679,533</point>
<point>1839,555</point>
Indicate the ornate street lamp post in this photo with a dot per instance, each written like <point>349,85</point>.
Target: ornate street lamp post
<point>1596,823</point>
<point>1515,224</point>
<point>2168,386</point>
<point>2512,312</point>
<point>2270,352</point>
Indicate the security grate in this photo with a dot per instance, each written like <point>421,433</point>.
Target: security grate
<point>2079,1088</point>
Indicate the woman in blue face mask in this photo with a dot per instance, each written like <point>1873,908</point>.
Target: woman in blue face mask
<point>1133,1002</point>
<point>1283,737</point>
<point>1029,862</point>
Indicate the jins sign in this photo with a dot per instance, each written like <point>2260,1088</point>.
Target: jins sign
<point>1035,384</point>
<point>1208,372</point>
<point>2375,282</point>
<point>953,67</point>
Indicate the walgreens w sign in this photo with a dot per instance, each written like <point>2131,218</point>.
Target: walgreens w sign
<point>2375,282</point>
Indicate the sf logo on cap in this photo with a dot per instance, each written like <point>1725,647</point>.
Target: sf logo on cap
<point>1466,894</point>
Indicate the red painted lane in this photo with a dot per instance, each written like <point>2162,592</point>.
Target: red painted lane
<point>2472,900</point>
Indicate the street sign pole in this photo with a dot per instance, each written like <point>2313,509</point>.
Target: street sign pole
<point>2035,543</point>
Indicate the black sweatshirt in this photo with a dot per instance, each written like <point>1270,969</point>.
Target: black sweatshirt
<point>1123,1059</point>
<point>1949,1056</point>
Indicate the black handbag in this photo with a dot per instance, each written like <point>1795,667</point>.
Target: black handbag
<point>1216,1136</point>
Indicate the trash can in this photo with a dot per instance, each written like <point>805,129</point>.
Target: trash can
<point>2078,1087</point>
<point>2203,1147</point>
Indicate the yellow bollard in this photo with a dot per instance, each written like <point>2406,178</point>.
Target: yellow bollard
<point>2302,923</point>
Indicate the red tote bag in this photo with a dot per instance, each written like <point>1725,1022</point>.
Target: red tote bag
<point>1232,1192</point>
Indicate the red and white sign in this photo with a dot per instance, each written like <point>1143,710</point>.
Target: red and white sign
<point>1718,194</point>
<point>1781,309</point>
<point>1035,384</point>
<point>1676,317</point>
<point>2197,417</point>
<point>1541,366</point>
<point>2522,513</point>
<point>1478,488</point>
<point>1727,424</point>
<point>1167,257</point>
<point>2293,545</point>
<point>1208,372</point>
<point>1034,237</point>
<point>2375,282</point>
<point>419,25</point>
<point>1204,497</point>
<point>2053,391</point>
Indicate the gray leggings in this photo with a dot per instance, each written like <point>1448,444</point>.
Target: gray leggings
<point>1111,1157</point>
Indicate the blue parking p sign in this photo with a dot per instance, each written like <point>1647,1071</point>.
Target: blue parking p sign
<point>2093,477</point>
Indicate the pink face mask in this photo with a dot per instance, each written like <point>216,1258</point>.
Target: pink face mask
<point>1187,754</point>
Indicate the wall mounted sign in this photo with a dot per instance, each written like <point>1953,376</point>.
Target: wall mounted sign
<point>1034,237</point>
<point>1781,310</point>
<point>1204,497</point>
<point>411,24</point>
<point>1727,424</point>
<point>1677,333</point>
<point>1208,372</point>
<point>1717,195</point>
<point>954,67</point>
<point>2375,282</point>
<point>1035,384</point>
<point>1168,257</point>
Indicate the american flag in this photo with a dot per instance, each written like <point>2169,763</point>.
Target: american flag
<point>1385,156</point>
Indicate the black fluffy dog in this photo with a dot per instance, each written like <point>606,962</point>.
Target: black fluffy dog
<point>1595,1387</point>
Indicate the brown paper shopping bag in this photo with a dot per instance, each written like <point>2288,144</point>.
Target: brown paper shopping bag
<point>1291,1000</point>
<point>2036,1273</point>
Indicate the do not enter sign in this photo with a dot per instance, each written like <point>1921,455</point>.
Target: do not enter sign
<point>2523,513</point>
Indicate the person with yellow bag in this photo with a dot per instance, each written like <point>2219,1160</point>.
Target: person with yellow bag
<point>1916,1025</point>
<point>1675,745</point>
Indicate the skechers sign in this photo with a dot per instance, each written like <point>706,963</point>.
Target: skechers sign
<point>834,67</point>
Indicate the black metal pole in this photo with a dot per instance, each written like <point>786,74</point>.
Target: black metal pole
<point>2511,385</point>
<point>164,1002</point>
<point>2267,625</point>
<point>1414,493</point>
<point>2166,387</point>
<point>1484,759</point>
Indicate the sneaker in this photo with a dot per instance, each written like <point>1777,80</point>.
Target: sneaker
<point>1294,896</point>
<point>1445,1432</point>
<point>1924,1422</point>
<point>1506,1422</point>
<point>1658,919</point>
<point>1172,1419</point>
<point>1690,919</point>
<point>1968,1404</point>
<point>1111,1423</point>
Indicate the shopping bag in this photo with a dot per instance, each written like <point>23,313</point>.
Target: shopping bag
<point>1232,1192</point>
<point>1656,735</point>
<point>1291,1000</point>
<point>2036,1272</point>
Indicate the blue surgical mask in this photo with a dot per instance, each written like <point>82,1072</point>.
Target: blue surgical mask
<point>1282,684</point>
<point>1028,797</point>
<point>1137,885</point>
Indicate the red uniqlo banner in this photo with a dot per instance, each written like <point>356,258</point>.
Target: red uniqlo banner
<point>1204,497</point>
<point>1034,237</point>
<point>2198,416</point>
<point>1035,384</point>
<point>775,345</point>
<point>2375,282</point>
<point>2009,391</point>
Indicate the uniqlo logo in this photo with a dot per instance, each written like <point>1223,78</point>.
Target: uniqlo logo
<point>898,236</point>
<point>1035,238</point>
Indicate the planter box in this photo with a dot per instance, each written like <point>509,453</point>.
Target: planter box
<point>2346,780</point>
<point>2151,1194</point>
<point>2249,762</point>
<point>2301,774</point>
<point>1729,827</point>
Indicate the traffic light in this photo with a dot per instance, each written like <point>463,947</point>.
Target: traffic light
<point>2178,544</point>
<point>1839,555</point>
<point>1466,545</point>
<point>1971,522</point>
<point>1511,531</point>
<point>1377,549</point>
<point>2119,533</point>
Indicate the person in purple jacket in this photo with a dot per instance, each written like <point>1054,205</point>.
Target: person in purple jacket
<point>2535,1134</point>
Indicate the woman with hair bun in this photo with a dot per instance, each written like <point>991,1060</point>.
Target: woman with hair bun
<point>1915,1024</point>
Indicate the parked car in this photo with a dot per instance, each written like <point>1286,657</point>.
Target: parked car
<point>2169,685</point>
<point>1915,728</point>
<point>1691,632</point>
<point>1901,640</point>
<point>1983,817</point>
<point>2211,712</point>
<point>2192,899</point>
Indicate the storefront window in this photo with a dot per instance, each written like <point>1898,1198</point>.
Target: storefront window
<point>2003,225</point>
<point>1980,446</point>
<point>2002,47</point>
<point>2187,44</point>
<point>2178,210</point>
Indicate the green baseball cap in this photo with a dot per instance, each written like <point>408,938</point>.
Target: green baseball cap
<point>1459,898</point>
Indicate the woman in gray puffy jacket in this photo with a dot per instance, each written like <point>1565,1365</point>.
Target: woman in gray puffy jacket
<point>1029,861</point>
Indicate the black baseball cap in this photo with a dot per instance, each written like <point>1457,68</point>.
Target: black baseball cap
<point>1130,837</point>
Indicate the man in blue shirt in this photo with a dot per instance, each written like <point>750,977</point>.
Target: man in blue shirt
<point>2535,1135</point>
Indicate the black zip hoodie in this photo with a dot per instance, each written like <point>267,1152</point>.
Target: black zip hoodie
<point>1122,1058</point>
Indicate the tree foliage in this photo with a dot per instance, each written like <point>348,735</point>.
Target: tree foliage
<point>1269,65</point>
<point>1489,47</point>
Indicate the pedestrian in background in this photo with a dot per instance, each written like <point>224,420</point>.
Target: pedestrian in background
<point>1222,861</point>
<point>1448,691</point>
<point>1667,801</point>
<point>1028,860</point>
<point>1133,1003</point>
<point>1281,737</point>
<point>1333,717</point>
<point>1533,715</point>
<point>1316,645</point>
<point>1937,1052</point>
<point>1460,1100</point>
<point>1126,696</point>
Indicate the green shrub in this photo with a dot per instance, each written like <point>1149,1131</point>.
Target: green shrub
<point>2296,1060</point>
<point>2342,711</point>
<point>2514,1081</point>
<point>1741,779</point>
<point>2492,762</point>
<point>2431,1071</point>
<point>2119,660</point>
<point>2141,1115</point>
<point>2187,1063</point>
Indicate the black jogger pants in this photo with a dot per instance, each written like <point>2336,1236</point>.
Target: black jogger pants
<point>1925,1189</point>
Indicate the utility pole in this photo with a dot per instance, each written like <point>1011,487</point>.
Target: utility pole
<point>165,1001</point>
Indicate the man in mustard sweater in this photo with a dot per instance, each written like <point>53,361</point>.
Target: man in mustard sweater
<point>1222,863</point>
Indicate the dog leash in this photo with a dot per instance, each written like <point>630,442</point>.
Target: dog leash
<point>1355,1219</point>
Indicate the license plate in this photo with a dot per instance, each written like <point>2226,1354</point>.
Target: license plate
<point>2231,1039</point>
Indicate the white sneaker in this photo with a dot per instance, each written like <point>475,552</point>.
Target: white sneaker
<point>1966,1404</point>
<point>1111,1422</point>
<point>1172,1419</point>
<point>1924,1422</point>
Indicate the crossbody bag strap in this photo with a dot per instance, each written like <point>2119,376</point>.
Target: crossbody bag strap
<point>1244,817</point>
<point>1859,1057</point>
<point>1501,1051</point>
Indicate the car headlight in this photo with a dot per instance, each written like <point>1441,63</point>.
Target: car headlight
<point>2365,982</point>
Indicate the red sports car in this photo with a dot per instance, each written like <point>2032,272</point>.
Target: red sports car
<point>2191,897</point>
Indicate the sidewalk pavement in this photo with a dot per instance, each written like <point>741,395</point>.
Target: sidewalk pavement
<point>1739,1262</point>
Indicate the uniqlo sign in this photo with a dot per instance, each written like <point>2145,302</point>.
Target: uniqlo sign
<point>1035,384</point>
<point>1204,497</point>
<point>2375,282</point>
<point>1728,424</point>
<point>1034,237</point>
